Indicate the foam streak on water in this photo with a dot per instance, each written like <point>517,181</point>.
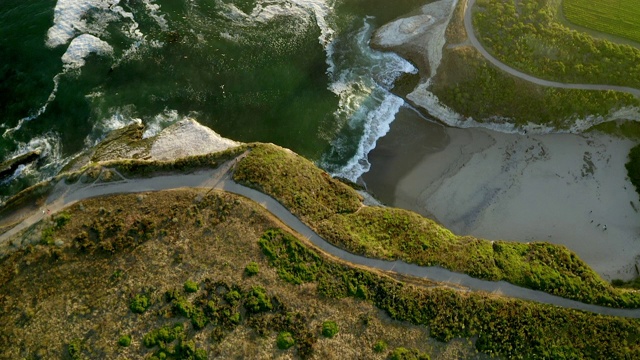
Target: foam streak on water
<point>41,110</point>
<point>362,79</point>
<point>378,121</point>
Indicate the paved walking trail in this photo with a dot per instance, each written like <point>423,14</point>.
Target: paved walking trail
<point>468,25</point>
<point>220,179</point>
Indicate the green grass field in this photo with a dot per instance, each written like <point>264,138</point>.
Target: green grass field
<point>616,17</point>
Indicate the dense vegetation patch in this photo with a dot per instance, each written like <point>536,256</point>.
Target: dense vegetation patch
<point>205,237</point>
<point>633,167</point>
<point>399,234</point>
<point>617,18</point>
<point>525,35</point>
<point>472,87</point>
<point>507,327</point>
<point>329,329</point>
<point>288,177</point>
<point>468,84</point>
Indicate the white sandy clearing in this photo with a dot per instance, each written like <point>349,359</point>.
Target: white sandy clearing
<point>424,32</point>
<point>188,138</point>
<point>559,188</point>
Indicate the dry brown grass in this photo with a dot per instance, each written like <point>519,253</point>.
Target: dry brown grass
<point>51,295</point>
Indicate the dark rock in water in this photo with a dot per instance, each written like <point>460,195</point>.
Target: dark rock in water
<point>8,167</point>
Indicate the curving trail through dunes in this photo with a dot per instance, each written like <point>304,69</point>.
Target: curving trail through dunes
<point>65,195</point>
<point>468,25</point>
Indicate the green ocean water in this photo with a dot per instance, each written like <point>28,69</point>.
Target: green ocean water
<point>296,73</point>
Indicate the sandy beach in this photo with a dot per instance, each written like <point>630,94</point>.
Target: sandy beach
<point>562,188</point>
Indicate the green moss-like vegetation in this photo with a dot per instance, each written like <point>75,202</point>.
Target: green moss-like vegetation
<point>274,171</point>
<point>506,327</point>
<point>190,286</point>
<point>140,303</point>
<point>401,353</point>
<point>329,329</point>
<point>525,35</point>
<point>125,340</point>
<point>474,88</point>
<point>285,340</point>
<point>626,129</point>
<point>617,18</point>
<point>252,269</point>
<point>631,284</point>
<point>380,346</point>
<point>399,234</point>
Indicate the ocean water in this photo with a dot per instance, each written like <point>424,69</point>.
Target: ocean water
<point>298,73</point>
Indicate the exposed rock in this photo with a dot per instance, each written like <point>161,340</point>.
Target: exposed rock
<point>187,138</point>
<point>8,167</point>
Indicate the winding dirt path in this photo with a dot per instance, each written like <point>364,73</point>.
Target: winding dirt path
<point>468,25</point>
<point>65,195</point>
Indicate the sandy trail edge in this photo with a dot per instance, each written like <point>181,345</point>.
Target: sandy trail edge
<point>221,179</point>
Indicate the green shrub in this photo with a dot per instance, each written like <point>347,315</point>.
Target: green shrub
<point>140,303</point>
<point>62,219</point>
<point>285,340</point>
<point>380,346</point>
<point>75,348</point>
<point>183,307</point>
<point>233,297</point>
<point>198,319</point>
<point>191,286</point>
<point>235,318</point>
<point>257,300</point>
<point>47,236</point>
<point>506,327</point>
<point>401,353</point>
<point>165,334</point>
<point>251,269</point>
<point>329,329</point>
<point>125,340</point>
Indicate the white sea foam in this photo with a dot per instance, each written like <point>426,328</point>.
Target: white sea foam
<point>378,123</point>
<point>154,11</point>
<point>361,79</point>
<point>73,58</point>
<point>322,11</point>
<point>41,110</point>
<point>50,148</point>
<point>19,172</point>
<point>118,118</point>
<point>67,20</point>
<point>81,47</point>
<point>160,122</point>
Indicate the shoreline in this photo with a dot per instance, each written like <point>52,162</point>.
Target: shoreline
<point>565,189</point>
<point>500,181</point>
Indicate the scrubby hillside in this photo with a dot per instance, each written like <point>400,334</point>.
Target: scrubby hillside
<point>333,210</point>
<point>178,274</point>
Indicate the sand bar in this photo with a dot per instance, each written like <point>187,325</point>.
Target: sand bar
<point>562,188</point>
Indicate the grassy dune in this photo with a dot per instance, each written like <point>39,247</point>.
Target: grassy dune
<point>333,210</point>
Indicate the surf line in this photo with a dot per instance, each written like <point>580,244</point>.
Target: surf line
<point>43,108</point>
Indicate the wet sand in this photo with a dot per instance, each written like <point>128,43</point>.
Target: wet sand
<point>410,138</point>
<point>565,189</point>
